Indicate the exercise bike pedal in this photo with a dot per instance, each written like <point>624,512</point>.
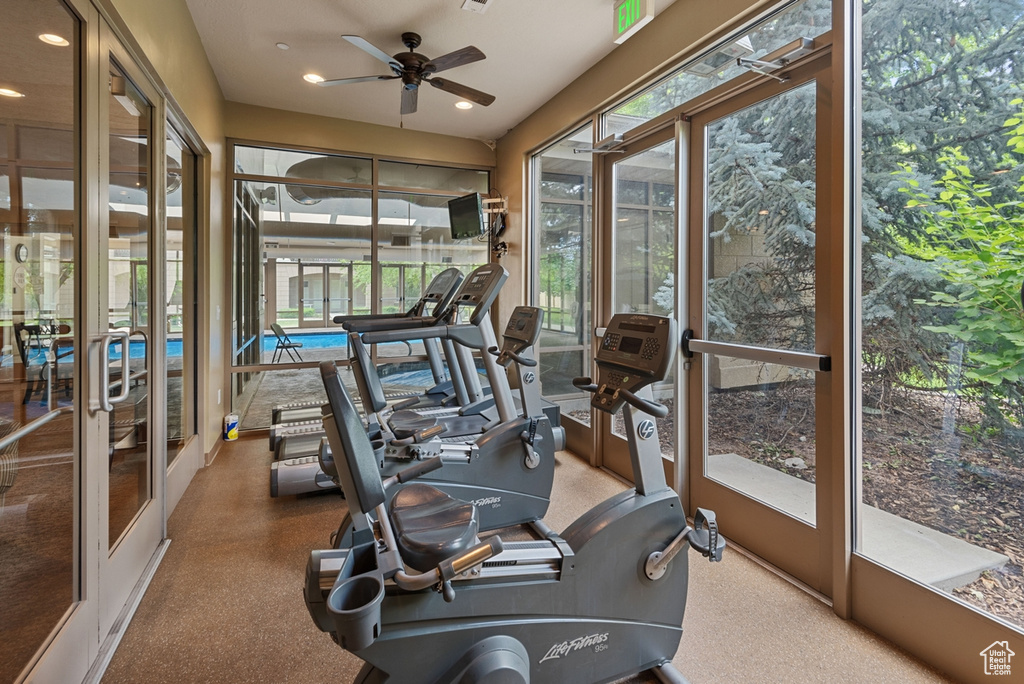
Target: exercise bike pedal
<point>707,541</point>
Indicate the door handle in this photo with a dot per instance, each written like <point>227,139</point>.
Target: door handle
<point>782,357</point>
<point>106,402</point>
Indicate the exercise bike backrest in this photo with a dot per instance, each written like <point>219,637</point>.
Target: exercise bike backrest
<point>360,476</point>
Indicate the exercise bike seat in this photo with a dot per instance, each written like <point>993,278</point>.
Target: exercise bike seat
<point>431,526</point>
<point>407,423</point>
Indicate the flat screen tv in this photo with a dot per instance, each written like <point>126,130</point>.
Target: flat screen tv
<point>466,216</point>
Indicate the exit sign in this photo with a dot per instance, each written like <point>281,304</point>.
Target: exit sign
<point>630,16</point>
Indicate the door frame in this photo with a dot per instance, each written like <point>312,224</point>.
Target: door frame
<point>802,550</point>
<point>611,449</point>
<point>125,562</point>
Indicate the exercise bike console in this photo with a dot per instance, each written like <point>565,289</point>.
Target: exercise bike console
<point>636,351</point>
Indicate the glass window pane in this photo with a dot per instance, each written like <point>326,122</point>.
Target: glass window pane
<point>414,244</point>
<point>5,190</point>
<point>262,161</point>
<point>315,245</point>
<point>941,443</point>
<point>422,176</point>
<point>760,432</point>
<point>45,144</point>
<point>130,125</point>
<point>562,221</point>
<point>180,251</point>
<point>564,186</point>
<point>643,254</point>
<point>39,490</point>
<point>806,19</point>
<point>760,225</point>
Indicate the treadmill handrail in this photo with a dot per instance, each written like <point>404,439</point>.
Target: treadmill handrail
<point>457,333</point>
<point>348,318</point>
<point>416,322</point>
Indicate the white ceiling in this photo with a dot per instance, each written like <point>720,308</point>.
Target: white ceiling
<point>534,49</point>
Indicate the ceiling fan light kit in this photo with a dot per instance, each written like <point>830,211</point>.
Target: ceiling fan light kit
<point>415,69</point>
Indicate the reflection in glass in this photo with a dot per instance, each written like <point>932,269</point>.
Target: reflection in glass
<point>414,244</point>
<point>760,223</point>
<point>39,530</point>
<point>643,253</point>
<point>180,251</point>
<point>562,219</point>
<point>129,480</point>
<point>806,19</point>
<point>308,166</point>
<point>424,177</point>
<point>760,432</point>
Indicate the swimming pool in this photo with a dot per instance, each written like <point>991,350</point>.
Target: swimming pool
<point>309,340</point>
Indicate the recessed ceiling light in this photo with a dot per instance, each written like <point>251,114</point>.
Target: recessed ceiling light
<point>313,78</point>
<point>283,46</point>
<point>7,92</point>
<point>462,104</point>
<point>53,39</point>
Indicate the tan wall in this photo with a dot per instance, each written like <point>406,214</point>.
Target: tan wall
<point>682,28</point>
<point>164,37</point>
<point>262,124</point>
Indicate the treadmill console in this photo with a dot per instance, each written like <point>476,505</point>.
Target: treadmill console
<point>637,350</point>
<point>521,333</point>
<point>440,290</point>
<point>479,290</point>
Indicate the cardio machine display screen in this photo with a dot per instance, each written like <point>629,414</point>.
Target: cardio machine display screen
<point>630,345</point>
<point>636,327</point>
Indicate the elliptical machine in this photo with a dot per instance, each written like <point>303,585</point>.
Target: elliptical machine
<point>420,598</point>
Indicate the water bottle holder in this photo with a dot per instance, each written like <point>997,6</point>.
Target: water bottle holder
<point>354,602</point>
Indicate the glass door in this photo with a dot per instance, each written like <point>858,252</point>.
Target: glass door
<point>311,304</point>
<point>563,182</point>
<point>42,548</point>
<point>755,377</point>
<point>339,291</point>
<point>641,256</point>
<point>130,347</point>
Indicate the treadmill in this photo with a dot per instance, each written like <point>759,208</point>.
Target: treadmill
<point>434,301</point>
<point>315,473</point>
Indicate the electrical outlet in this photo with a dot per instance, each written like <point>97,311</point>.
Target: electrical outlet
<point>218,397</point>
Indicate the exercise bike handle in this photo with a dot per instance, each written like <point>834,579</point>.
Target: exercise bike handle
<point>655,409</point>
<point>414,471</point>
<point>585,384</point>
<point>521,360</point>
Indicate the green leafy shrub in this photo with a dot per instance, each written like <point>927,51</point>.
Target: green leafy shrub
<point>977,245</point>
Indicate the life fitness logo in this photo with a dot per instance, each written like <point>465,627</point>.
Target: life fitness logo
<point>598,642</point>
<point>997,658</point>
<point>645,430</point>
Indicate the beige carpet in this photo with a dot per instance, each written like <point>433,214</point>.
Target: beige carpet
<point>226,604</point>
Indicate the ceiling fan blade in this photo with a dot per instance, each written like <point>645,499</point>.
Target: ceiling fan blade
<point>357,79</point>
<point>466,55</point>
<point>410,97</point>
<point>367,47</point>
<point>459,90</point>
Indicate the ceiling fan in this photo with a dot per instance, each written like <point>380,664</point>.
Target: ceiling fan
<point>414,69</point>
